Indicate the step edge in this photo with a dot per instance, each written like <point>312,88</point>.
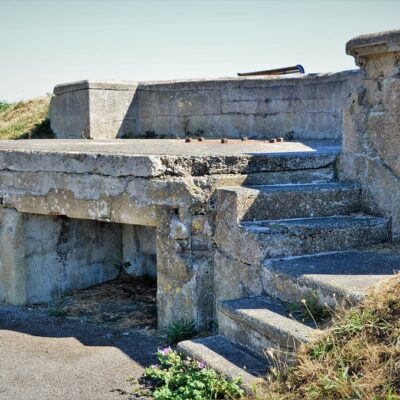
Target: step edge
<point>248,379</point>
<point>251,322</point>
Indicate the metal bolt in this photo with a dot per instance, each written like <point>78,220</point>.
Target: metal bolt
<point>200,139</point>
<point>188,140</point>
<point>279,139</point>
<point>273,140</point>
<point>243,138</point>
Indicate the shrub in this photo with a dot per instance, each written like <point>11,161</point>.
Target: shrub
<point>178,378</point>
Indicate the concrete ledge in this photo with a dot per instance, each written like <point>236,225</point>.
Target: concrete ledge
<point>86,84</point>
<point>374,43</point>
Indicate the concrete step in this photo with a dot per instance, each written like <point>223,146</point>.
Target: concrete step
<point>291,237</point>
<point>263,325</point>
<point>295,200</point>
<point>336,277</point>
<point>227,358</point>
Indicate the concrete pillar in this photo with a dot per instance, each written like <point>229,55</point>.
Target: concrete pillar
<point>12,257</point>
<point>371,138</point>
<point>184,273</point>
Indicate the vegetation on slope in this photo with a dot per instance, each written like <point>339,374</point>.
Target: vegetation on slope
<point>25,119</point>
<point>357,358</point>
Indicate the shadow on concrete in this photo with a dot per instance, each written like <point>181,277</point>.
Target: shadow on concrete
<point>139,345</point>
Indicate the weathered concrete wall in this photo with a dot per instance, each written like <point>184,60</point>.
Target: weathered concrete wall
<point>63,254</point>
<point>139,249</point>
<point>371,140</point>
<point>43,256</point>
<point>299,107</point>
<point>90,110</point>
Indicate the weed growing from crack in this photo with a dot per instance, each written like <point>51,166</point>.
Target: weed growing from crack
<point>179,330</point>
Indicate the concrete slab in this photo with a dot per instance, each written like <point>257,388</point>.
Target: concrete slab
<point>153,158</point>
<point>173,147</point>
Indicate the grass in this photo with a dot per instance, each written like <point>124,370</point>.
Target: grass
<point>25,119</point>
<point>357,358</point>
<point>310,309</point>
<point>58,307</point>
<point>177,331</point>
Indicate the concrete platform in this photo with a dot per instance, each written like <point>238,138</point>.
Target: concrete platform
<point>152,158</point>
<point>173,147</point>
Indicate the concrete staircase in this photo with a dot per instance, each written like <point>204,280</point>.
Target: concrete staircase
<point>278,244</point>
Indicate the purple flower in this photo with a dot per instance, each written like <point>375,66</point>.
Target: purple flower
<point>166,351</point>
<point>154,366</point>
<point>202,365</point>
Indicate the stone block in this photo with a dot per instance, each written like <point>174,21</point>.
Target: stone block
<point>92,110</point>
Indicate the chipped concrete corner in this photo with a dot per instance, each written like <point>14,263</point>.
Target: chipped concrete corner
<point>74,211</point>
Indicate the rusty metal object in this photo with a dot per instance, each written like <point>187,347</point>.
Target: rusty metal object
<point>279,139</point>
<point>200,139</point>
<point>296,69</point>
<point>224,141</point>
<point>188,140</point>
<point>272,140</point>
<point>243,138</point>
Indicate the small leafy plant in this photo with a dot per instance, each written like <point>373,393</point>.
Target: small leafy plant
<point>179,330</point>
<point>175,377</point>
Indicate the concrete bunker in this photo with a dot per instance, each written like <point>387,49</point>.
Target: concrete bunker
<point>58,254</point>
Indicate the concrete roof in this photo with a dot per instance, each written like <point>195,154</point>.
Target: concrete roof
<point>172,147</point>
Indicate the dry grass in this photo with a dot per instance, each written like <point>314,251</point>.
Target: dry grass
<point>126,302</point>
<point>358,357</point>
<point>25,119</point>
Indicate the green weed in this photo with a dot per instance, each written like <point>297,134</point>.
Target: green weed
<point>180,330</point>
<point>58,307</point>
<point>175,377</point>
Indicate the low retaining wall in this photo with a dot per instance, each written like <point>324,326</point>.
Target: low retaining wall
<point>298,107</point>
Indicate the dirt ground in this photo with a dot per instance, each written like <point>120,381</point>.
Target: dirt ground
<point>100,338</point>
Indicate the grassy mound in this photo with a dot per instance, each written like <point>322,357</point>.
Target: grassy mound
<point>25,119</point>
<point>357,358</point>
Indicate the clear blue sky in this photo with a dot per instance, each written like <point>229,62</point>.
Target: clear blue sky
<point>43,43</point>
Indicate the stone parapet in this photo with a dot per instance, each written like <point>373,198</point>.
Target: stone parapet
<point>299,107</point>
